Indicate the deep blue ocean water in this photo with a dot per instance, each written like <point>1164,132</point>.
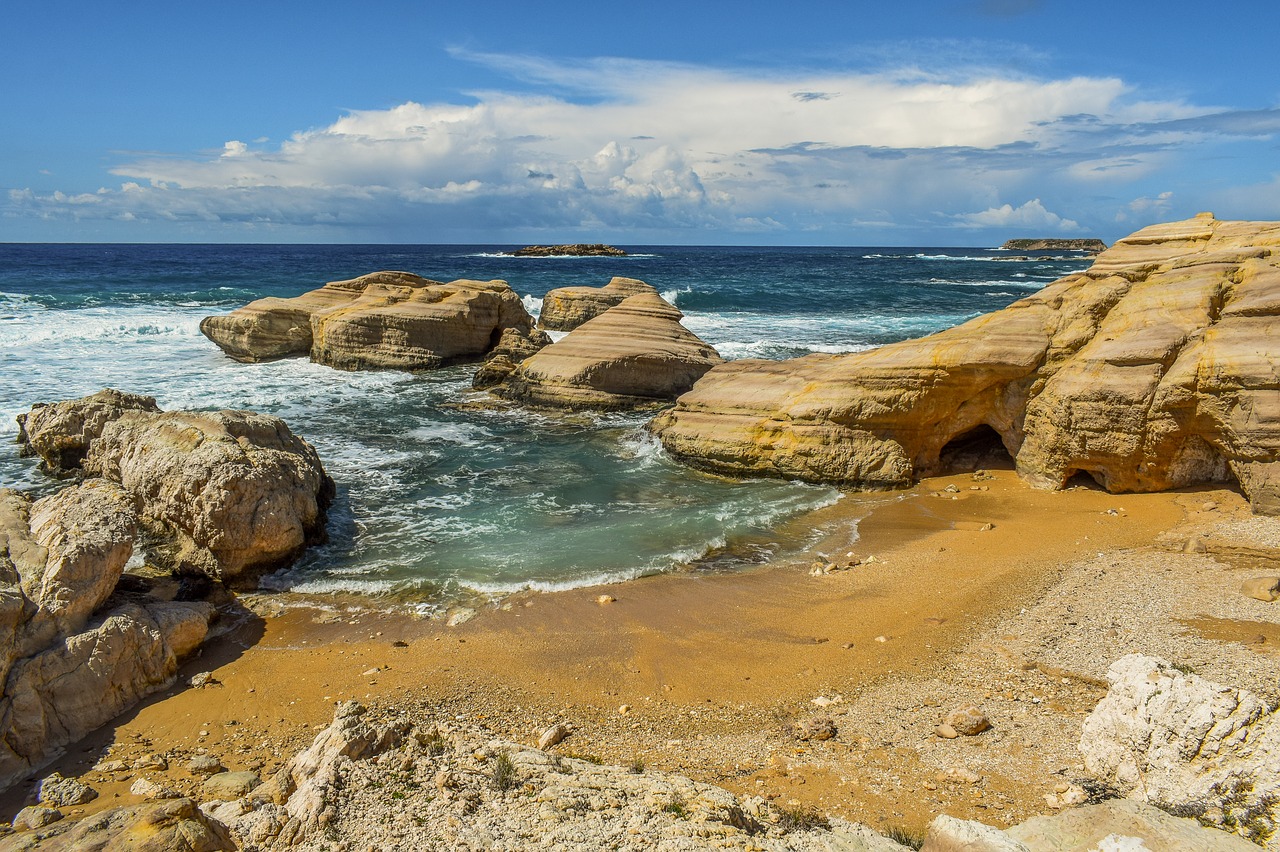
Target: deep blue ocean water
<point>441,497</point>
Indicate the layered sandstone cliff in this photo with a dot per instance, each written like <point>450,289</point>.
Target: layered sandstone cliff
<point>384,320</point>
<point>1155,368</point>
<point>632,354</point>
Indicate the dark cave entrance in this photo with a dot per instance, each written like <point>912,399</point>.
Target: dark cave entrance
<point>980,447</point>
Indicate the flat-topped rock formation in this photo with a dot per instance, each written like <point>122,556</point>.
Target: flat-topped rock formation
<point>566,308</point>
<point>1055,245</point>
<point>1156,368</point>
<point>633,354</point>
<point>230,494</point>
<point>573,250</point>
<point>384,320</point>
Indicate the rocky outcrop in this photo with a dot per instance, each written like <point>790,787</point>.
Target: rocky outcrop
<point>60,433</point>
<point>384,320</point>
<point>230,494</point>
<point>633,354</point>
<point>1055,245</point>
<point>67,666</point>
<point>515,346</point>
<point>1185,743</point>
<point>566,308</point>
<point>1153,369</point>
<point>176,825</point>
<point>573,250</point>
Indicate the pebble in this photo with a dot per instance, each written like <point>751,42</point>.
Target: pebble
<point>553,735</point>
<point>946,731</point>
<point>967,721</point>
<point>606,599</point>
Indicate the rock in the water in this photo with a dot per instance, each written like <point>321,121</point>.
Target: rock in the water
<point>634,354</point>
<point>1093,245</point>
<point>1122,826</point>
<point>570,250</point>
<point>58,792</point>
<point>1178,740</point>
<point>1262,588</point>
<point>513,348</point>
<point>60,433</point>
<point>174,825</point>
<point>1153,369</point>
<point>967,721</point>
<point>566,308</point>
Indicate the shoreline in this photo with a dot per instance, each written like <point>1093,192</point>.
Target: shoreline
<point>705,674</point>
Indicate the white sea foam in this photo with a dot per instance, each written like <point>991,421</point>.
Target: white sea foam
<point>533,305</point>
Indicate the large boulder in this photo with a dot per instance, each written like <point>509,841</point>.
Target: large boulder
<point>60,432</point>
<point>566,308</point>
<point>175,825</point>
<point>231,494</point>
<point>1153,369</point>
<point>633,354</point>
<point>384,320</point>
<point>66,666</point>
<point>1184,743</point>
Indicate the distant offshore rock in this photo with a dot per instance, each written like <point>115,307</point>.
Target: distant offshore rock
<point>383,320</point>
<point>1094,246</point>
<point>575,250</point>
<point>1155,368</point>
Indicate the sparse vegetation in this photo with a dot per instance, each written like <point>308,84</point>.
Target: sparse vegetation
<point>504,772</point>
<point>802,818</point>
<point>637,765</point>
<point>435,744</point>
<point>677,807</point>
<point>589,758</point>
<point>903,835</point>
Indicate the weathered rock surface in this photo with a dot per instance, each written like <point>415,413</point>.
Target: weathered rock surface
<point>60,432</point>
<point>58,792</point>
<point>384,320</point>
<point>1180,741</point>
<point>231,493</point>
<point>514,347</point>
<point>1155,368</point>
<point>632,354</point>
<point>1122,826</point>
<point>66,667</point>
<point>176,825</point>
<point>572,250</point>
<point>566,308</point>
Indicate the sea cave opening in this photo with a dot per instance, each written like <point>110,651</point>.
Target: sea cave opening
<point>980,447</point>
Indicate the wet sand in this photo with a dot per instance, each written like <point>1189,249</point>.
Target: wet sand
<point>698,673</point>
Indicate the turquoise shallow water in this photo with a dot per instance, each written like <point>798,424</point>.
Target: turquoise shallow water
<point>440,491</point>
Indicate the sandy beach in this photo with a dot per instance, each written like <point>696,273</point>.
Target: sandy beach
<point>708,675</point>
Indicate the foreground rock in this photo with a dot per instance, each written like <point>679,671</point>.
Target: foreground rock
<point>230,494</point>
<point>566,308</point>
<point>1153,369</point>
<point>573,250</point>
<point>67,663</point>
<point>633,354</point>
<point>176,825</point>
<point>384,320</point>
<point>1188,745</point>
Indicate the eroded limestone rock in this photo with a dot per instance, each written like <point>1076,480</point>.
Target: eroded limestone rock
<point>514,347</point>
<point>175,825</point>
<point>566,308</point>
<point>633,354</point>
<point>60,432</point>
<point>1155,368</point>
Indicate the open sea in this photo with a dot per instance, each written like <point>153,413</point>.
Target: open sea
<point>439,498</point>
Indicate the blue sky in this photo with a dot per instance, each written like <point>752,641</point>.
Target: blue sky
<point>954,122</point>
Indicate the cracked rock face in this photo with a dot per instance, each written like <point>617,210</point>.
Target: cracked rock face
<point>1155,368</point>
<point>633,354</point>
<point>67,666</point>
<point>384,320</point>
<point>1182,742</point>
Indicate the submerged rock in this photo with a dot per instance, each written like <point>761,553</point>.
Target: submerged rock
<point>1153,369</point>
<point>384,320</point>
<point>566,308</point>
<point>633,354</point>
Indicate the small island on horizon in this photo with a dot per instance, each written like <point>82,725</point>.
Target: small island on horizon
<point>574,250</point>
<point>1090,245</point>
